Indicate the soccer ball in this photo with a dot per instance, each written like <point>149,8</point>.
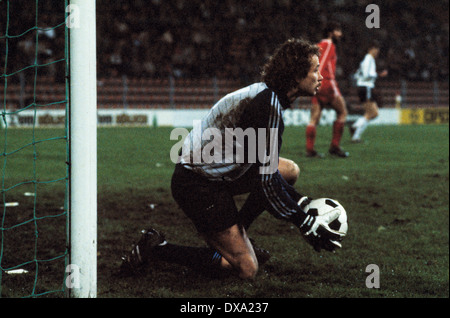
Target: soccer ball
<point>323,206</point>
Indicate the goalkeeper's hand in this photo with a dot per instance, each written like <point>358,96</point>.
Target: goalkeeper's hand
<point>316,231</point>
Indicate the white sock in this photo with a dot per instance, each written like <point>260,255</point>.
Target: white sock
<point>359,122</point>
<point>360,125</point>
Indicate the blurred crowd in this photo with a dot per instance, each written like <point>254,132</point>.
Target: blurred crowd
<point>233,38</point>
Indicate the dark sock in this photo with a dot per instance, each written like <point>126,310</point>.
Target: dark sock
<point>338,130</point>
<point>310,137</point>
<point>198,258</point>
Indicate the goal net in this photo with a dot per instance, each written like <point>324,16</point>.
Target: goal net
<point>35,142</point>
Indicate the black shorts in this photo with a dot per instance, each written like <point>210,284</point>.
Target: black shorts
<point>209,204</point>
<point>369,94</point>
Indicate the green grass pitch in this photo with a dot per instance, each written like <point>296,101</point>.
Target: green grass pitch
<point>394,186</point>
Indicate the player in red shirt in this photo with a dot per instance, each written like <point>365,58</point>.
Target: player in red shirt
<point>329,95</point>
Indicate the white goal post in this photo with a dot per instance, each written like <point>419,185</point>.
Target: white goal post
<point>83,148</point>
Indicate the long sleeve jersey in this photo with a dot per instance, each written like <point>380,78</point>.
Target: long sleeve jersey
<point>367,72</point>
<point>244,130</point>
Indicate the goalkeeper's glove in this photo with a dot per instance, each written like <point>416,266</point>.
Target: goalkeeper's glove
<point>316,231</point>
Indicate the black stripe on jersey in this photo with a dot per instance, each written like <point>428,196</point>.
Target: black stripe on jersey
<point>271,186</point>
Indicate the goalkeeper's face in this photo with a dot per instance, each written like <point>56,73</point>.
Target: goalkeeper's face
<point>309,85</point>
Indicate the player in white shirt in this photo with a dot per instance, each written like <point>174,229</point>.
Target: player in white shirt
<point>365,81</point>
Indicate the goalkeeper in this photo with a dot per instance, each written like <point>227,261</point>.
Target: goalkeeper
<point>204,190</point>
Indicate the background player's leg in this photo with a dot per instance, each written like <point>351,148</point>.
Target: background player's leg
<point>311,130</point>
<point>340,107</point>
<point>371,112</point>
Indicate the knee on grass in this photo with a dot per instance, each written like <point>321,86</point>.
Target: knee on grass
<point>247,267</point>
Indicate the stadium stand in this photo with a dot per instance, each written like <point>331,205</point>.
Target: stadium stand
<point>203,93</point>
<point>189,53</point>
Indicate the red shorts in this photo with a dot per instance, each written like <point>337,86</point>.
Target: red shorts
<point>328,91</point>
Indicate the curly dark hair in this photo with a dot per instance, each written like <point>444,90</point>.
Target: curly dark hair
<point>291,61</point>
<point>330,27</point>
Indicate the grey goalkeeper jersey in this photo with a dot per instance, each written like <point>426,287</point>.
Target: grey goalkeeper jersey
<point>244,129</point>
